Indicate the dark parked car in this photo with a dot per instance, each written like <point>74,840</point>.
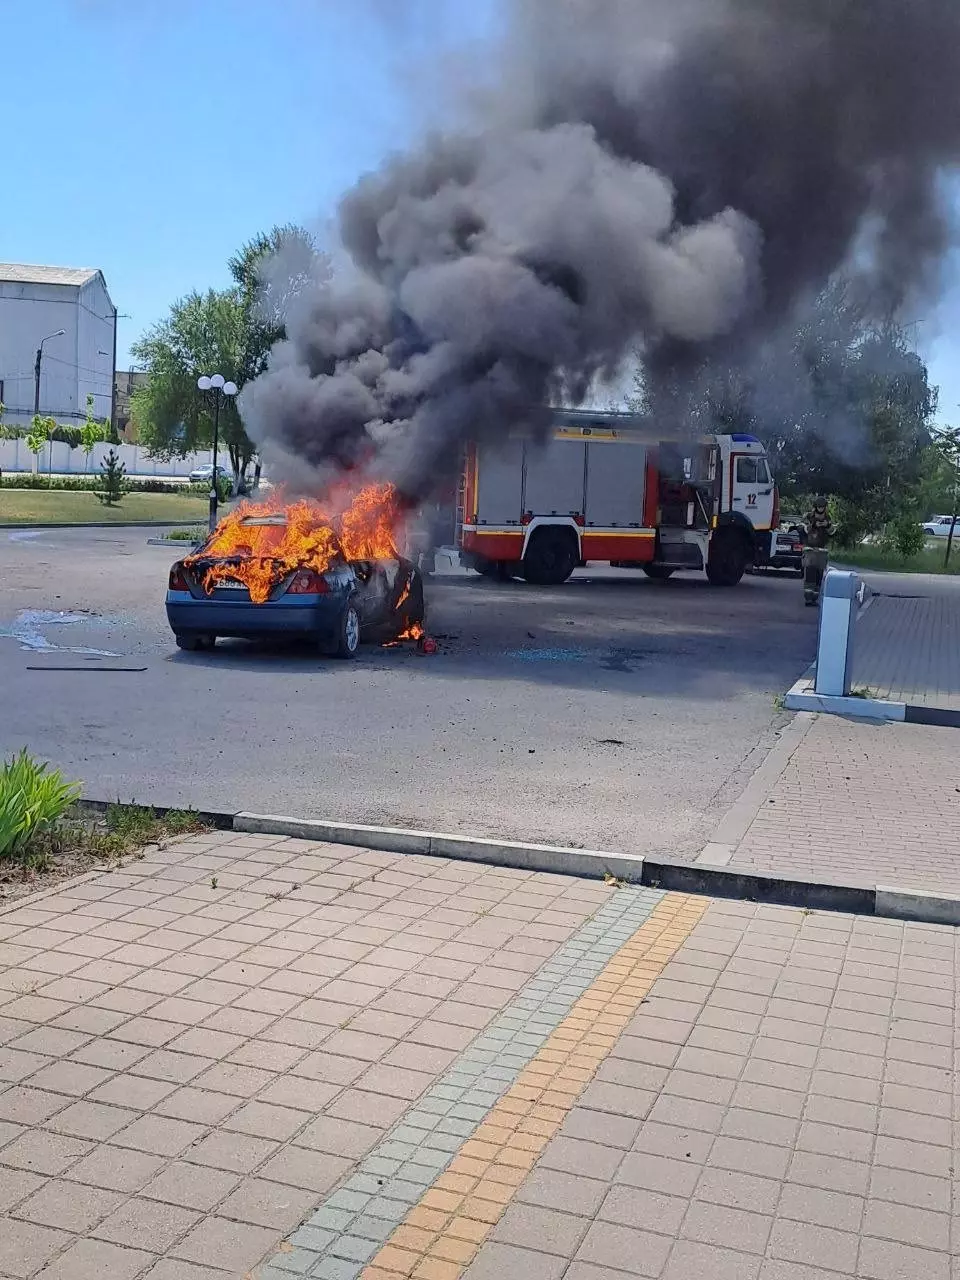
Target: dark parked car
<point>336,609</point>
<point>787,552</point>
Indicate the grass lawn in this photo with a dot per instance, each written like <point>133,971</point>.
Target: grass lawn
<point>928,561</point>
<point>34,506</point>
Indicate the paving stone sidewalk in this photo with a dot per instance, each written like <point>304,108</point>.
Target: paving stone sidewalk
<point>861,802</point>
<point>907,645</point>
<point>263,1058</point>
<point>197,1048</point>
<point>784,1107</point>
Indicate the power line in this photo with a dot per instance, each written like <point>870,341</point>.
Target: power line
<point>84,368</point>
<point>66,302</point>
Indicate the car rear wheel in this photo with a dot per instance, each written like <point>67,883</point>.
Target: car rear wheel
<point>659,572</point>
<point>347,637</point>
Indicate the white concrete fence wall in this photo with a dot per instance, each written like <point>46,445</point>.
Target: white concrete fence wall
<point>62,460</point>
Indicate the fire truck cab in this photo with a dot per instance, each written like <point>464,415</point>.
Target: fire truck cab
<point>603,488</point>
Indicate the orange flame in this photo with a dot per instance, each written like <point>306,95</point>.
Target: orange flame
<point>312,536</point>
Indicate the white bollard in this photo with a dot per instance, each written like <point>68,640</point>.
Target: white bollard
<point>839,602</point>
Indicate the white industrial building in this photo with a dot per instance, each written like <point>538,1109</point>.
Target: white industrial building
<point>36,303</point>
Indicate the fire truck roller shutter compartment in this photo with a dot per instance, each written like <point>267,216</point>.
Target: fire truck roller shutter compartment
<point>500,473</point>
<point>616,484</point>
<point>555,478</point>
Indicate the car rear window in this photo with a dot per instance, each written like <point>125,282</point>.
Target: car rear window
<point>253,522</point>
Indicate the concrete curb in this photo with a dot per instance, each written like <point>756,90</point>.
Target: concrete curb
<point>735,824</point>
<point>802,697</point>
<point>703,879</point>
<point>101,524</point>
<point>525,857</point>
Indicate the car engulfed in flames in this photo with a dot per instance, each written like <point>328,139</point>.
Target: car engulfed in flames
<point>329,571</point>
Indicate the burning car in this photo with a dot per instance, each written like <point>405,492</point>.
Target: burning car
<point>275,570</point>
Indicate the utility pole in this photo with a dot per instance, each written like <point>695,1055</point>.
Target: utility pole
<point>113,381</point>
<point>36,370</point>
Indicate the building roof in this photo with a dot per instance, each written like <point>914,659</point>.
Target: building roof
<point>22,273</point>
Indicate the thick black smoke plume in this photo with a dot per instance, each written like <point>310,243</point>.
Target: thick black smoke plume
<point>673,175</point>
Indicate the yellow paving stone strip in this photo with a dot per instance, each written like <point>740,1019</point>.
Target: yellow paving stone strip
<point>441,1235</point>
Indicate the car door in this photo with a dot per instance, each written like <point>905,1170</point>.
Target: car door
<point>372,596</point>
<point>751,489</point>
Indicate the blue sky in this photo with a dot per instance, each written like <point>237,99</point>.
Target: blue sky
<point>151,138</point>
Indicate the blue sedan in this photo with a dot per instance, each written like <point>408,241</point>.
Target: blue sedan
<point>336,609</point>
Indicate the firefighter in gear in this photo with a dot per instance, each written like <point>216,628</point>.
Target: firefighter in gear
<point>819,529</point>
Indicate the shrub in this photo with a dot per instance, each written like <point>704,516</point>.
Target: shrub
<point>33,797</point>
<point>851,523</point>
<point>908,536</point>
<point>73,436</point>
<point>91,484</point>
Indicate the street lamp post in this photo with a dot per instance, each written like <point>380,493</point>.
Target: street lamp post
<point>36,369</point>
<point>218,387</point>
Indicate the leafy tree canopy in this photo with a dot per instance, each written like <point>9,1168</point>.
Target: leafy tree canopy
<point>842,402</point>
<point>228,331</point>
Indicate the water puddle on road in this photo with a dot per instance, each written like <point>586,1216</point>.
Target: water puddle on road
<point>547,655</point>
<point>28,628</point>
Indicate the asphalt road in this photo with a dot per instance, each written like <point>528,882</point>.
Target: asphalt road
<point>612,712</point>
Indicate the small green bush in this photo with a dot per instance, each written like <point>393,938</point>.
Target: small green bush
<point>33,798</point>
<point>91,483</point>
<point>908,536</point>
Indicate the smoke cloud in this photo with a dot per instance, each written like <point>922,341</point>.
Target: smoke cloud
<point>678,176</point>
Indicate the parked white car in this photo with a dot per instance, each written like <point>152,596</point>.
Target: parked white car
<point>939,526</point>
<point>200,474</point>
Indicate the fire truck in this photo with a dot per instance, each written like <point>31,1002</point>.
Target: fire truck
<point>602,487</point>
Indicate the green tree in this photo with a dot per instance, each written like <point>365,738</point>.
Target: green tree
<point>841,401</point>
<point>113,477</point>
<point>228,331</point>
<point>39,434</point>
<point>92,433</point>
<point>941,488</point>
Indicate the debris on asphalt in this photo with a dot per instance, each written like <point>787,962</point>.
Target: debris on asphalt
<point>79,667</point>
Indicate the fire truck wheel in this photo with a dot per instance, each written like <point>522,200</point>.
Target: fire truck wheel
<point>552,555</point>
<point>347,637</point>
<point>728,559</point>
<point>659,572</point>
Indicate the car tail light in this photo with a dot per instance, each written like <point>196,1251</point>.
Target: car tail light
<point>775,520</point>
<point>307,582</point>
<point>178,578</point>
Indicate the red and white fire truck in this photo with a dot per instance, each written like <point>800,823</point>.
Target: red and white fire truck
<point>603,487</point>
